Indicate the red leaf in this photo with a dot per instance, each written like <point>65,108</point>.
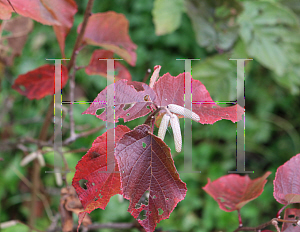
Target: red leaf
<point>101,186</point>
<point>39,83</point>
<point>110,31</point>
<point>170,90</point>
<point>59,13</point>
<point>99,67</point>
<point>291,214</point>
<point>146,164</point>
<point>286,183</point>
<point>233,191</point>
<point>49,12</point>
<point>126,93</point>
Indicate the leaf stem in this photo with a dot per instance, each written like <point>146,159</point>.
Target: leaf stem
<point>36,167</point>
<point>240,218</point>
<point>151,116</point>
<point>279,212</point>
<point>12,6</point>
<point>83,134</point>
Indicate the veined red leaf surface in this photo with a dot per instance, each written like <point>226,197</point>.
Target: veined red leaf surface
<point>99,67</point>
<point>100,186</point>
<point>291,214</point>
<point>49,12</point>
<point>170,90</point>
<point>39,83</point>
<point>146,164</point>
<point>110,31</point>
<point>287,183</point>
<point>233,191</point>
<point>131,101</point>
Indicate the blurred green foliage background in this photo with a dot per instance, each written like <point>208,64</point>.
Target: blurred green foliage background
<point>164,30</point>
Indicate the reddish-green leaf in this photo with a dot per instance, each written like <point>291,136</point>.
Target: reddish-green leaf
<point>170,90</point>
<point>287,183</point>
<point>49,12</point>
<point>39,83</point>
<point>291,214</point>
<point>131,101</point>
<point>12,45</point>
<point>59,13</point>
<point>110,31</point>
<point>146,164</point>
<point>5,10</point>
<point>99,67</point>
<point>233,191</point>
<point>61,33</point>
<point>100,186</point>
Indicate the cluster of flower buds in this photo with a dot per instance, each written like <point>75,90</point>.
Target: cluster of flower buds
<point>175,123</point>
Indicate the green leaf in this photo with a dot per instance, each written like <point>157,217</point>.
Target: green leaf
<point>270,32</point>
<point>214,23</point>
<point>290,80</point>
<point>218,74</point>
<point>294,5</point>
<point>167,15</point>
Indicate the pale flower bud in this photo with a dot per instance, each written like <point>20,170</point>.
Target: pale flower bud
<point>163,126</point>
<point>176,132</point>
<point>184,112</point>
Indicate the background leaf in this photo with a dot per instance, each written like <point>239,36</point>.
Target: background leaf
<point>12,44</point>
<point>286,186</point>
<point>99,67</point>
<point>267,29</point>
<point>213,22</point>
<point>39,83</point>
<point>48,12</point>
<point>167,15</point>
<point>110,31</point>
<point>233,191</point>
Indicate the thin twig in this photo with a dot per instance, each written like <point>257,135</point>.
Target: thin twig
<point>75,52</point>
<point>253,228</point>
<point>111,226</point>
<point>39,194</point>
<point>83,134</point>
<point>72,89</point>
<point>274,222</point>
<point>36,167</point>
<point>147,75</point>
<point>54,222</point>
<point>87,14</point>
